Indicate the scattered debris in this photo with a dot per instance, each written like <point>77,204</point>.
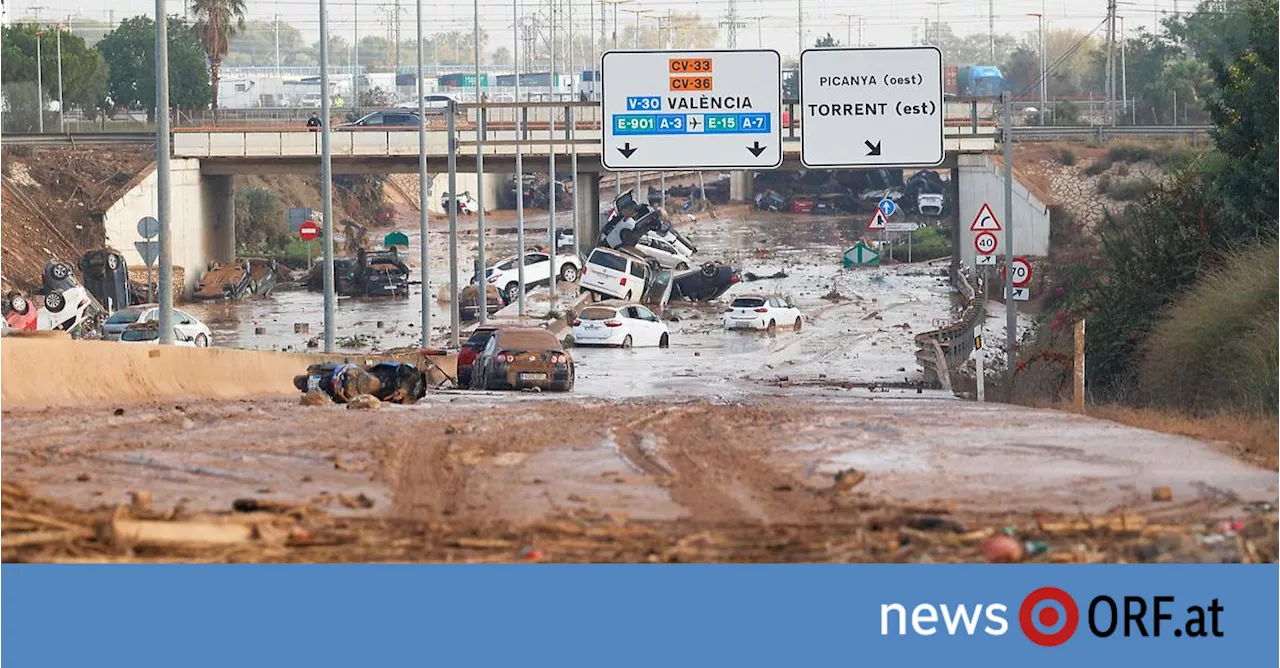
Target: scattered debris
<point>315,398</point>
<point>1161,494</point>
<point>1002,549</point>
<point>363,402</point>
<point>848,479</point>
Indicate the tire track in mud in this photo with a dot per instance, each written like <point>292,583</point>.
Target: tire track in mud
<point>706,458</point>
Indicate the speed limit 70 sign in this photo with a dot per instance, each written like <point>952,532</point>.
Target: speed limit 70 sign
<point>1020,272</point>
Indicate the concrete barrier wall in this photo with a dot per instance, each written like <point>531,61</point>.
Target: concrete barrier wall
<point>982,180</point>
<point>40,371</point>
<point>191,208</point>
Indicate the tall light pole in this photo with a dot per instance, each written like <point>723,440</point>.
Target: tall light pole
<point>326,181</point>
<point>799,29</point>
<point>481,283</point>
<point>1043,74</point>
<point>40,81</point>
<point>848,28</point>
<point>552,285</point>
<point>424,253</point>
<point>515,13</point>
<point>1124,67</point>
<point>62,125</point>
<point>162,175</point>
<point>937,21</point>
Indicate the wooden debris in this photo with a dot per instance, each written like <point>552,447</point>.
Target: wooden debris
<point>154,533</point>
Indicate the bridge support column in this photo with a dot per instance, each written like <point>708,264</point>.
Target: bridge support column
<point>588,187</point>
<point>742,186</point>
<point>223,247</point>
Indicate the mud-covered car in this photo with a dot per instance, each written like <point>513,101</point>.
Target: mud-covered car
<point>471,350</point>
<point>469,302</point>
<point>704,283</point>
<point>770,200</point>
<point>106,277</point>
<point>518,358</point>
<point>233,280</point>
<point>398,382</point>
<point>382,273</point>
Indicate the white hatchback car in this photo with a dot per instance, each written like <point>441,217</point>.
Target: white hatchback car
<point>619,324</point>
<point>767,312</point>
<point>505,275</point>
<point>188,328</point>
<point>666,254</point>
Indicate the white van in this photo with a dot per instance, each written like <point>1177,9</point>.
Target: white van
<point>612,274</point>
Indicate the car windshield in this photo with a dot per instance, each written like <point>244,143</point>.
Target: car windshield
<point>123,318</point>
<point>597,313</point>
<point>140,334</point>
<point>609,260</point>
<point>478,340</point>
<point>748,302</point>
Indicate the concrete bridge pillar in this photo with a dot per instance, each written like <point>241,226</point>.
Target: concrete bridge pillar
<point>223,243</point>
<point>588,188</point>
<point>742,186</point>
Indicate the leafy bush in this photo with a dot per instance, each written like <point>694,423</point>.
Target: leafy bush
<point>1103,186</point>
<point>1066,156</point>
<point>260,221</point>
<point>1216,348</point>
<point>927,243</point>
<point>1127,190</point>
<point>1120,169</point>
<point>1098,166</point>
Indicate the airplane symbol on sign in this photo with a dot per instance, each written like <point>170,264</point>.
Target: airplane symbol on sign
<point>693,122</point>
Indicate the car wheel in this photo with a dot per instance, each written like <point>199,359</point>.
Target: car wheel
<point>513,292</point>
<point>569,273</point>
<point>113,262</point>
<point>202,341</point>
<point>54,301</point>
<point>799,324</point>
<point>626,341</point>
<point>60,271</point>
<point>664,342</point>
<point>772,328</point>
<point>18,303</point>
<point>709,270</point>
<point>683,266</point>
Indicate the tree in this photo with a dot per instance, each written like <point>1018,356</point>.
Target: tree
<point>502,56</point>
<point>827,42</point>
<point>129,50</point>
<point>1244,110</point>
<point>216,23</point>
<point>260,221</point>
<point>255,45</point>
<point>84,72</point>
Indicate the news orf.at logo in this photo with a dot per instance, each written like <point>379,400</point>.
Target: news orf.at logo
<point>1048,616</point>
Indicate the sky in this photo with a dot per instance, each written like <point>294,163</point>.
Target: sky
<point>770,23</point>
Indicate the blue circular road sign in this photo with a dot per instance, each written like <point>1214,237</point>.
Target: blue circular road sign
<point>888,207</point>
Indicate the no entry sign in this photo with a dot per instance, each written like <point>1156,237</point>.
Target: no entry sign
<point>308,230</point>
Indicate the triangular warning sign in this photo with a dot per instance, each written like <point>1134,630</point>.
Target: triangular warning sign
<point>985,221</point>
<point>878,221</point>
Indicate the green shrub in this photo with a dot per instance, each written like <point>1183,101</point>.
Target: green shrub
<point>260,221</point>
<point>927,243</point>
<point>1127,152</point>
<point>1098,166</point>
<point>1120,169</point>
<point>1066,156</point>
<point>1127,190</point>
<point>1216,348</point>
<point>1103,186</point>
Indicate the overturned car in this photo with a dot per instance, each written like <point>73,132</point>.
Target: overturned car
<point>705,283</point>
<point>234,280</point>
<point>369,274</point>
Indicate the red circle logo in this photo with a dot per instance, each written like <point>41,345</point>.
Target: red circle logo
<point>1041,620</point>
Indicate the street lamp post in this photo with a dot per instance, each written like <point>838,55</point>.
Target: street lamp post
<point>515,13</point>
<point>40,83</point>
<point>424,251</point>
<point>1043,74</point>
<point>62,125</point>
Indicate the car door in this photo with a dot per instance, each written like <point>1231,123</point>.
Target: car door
<point>649,324</point>
<point>184,323</point>
<point>638,279</point>
<point>537,267</point>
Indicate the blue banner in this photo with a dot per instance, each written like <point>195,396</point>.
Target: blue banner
<point>638,615</point>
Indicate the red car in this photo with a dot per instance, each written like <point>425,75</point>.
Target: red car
<point>802,204</point>
<point>19,312</point>
<point>467,356</point>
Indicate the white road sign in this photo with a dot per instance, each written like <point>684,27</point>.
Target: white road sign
<point>878,221</point>
<point>1020,274</point>
<point>691,110</point>
<point>986,243</point>
<point>902,227</point>
<point>1019,294</point>
<point>985,221</point>
<point>871,107</point>
<point>987,260</point>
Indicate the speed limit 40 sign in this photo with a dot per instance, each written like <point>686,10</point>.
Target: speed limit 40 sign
<point>986,243</point>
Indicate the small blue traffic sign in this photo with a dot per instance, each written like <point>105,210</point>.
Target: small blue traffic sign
<point>888,207</point>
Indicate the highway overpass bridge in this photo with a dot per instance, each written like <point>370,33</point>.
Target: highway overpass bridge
<point>207,159</point>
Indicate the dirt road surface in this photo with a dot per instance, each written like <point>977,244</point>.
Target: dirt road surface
<point>724,447</point>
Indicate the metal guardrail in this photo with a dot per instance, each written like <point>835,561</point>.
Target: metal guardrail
<point>78,138</point>
<point>1104,132</point>
<point>939,351</point>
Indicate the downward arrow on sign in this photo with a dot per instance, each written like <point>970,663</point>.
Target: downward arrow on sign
<point>757,149</point>
<point>626,150</point>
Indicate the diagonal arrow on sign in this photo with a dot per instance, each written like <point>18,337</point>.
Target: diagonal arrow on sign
<point>872,149</point>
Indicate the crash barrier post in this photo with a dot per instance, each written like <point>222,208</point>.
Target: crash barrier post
<point>1079,367</point>
<point>940,350</point>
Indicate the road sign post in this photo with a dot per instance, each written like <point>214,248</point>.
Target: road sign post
<point>148,229</point>
<point>308,230</point>
<point>871,107</point>
<point>665,110</point>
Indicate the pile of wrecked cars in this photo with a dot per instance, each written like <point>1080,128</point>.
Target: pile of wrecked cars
<point>62,303</point>
<point>379,273</point>
<point>235,279</point>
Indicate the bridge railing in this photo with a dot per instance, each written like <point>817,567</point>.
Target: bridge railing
<point>939,352</point>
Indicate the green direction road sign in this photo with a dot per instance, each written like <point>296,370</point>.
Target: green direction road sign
<point>396,240</point>
<point>861,255</point>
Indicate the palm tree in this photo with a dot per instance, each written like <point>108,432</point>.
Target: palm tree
<point>217,22</point>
